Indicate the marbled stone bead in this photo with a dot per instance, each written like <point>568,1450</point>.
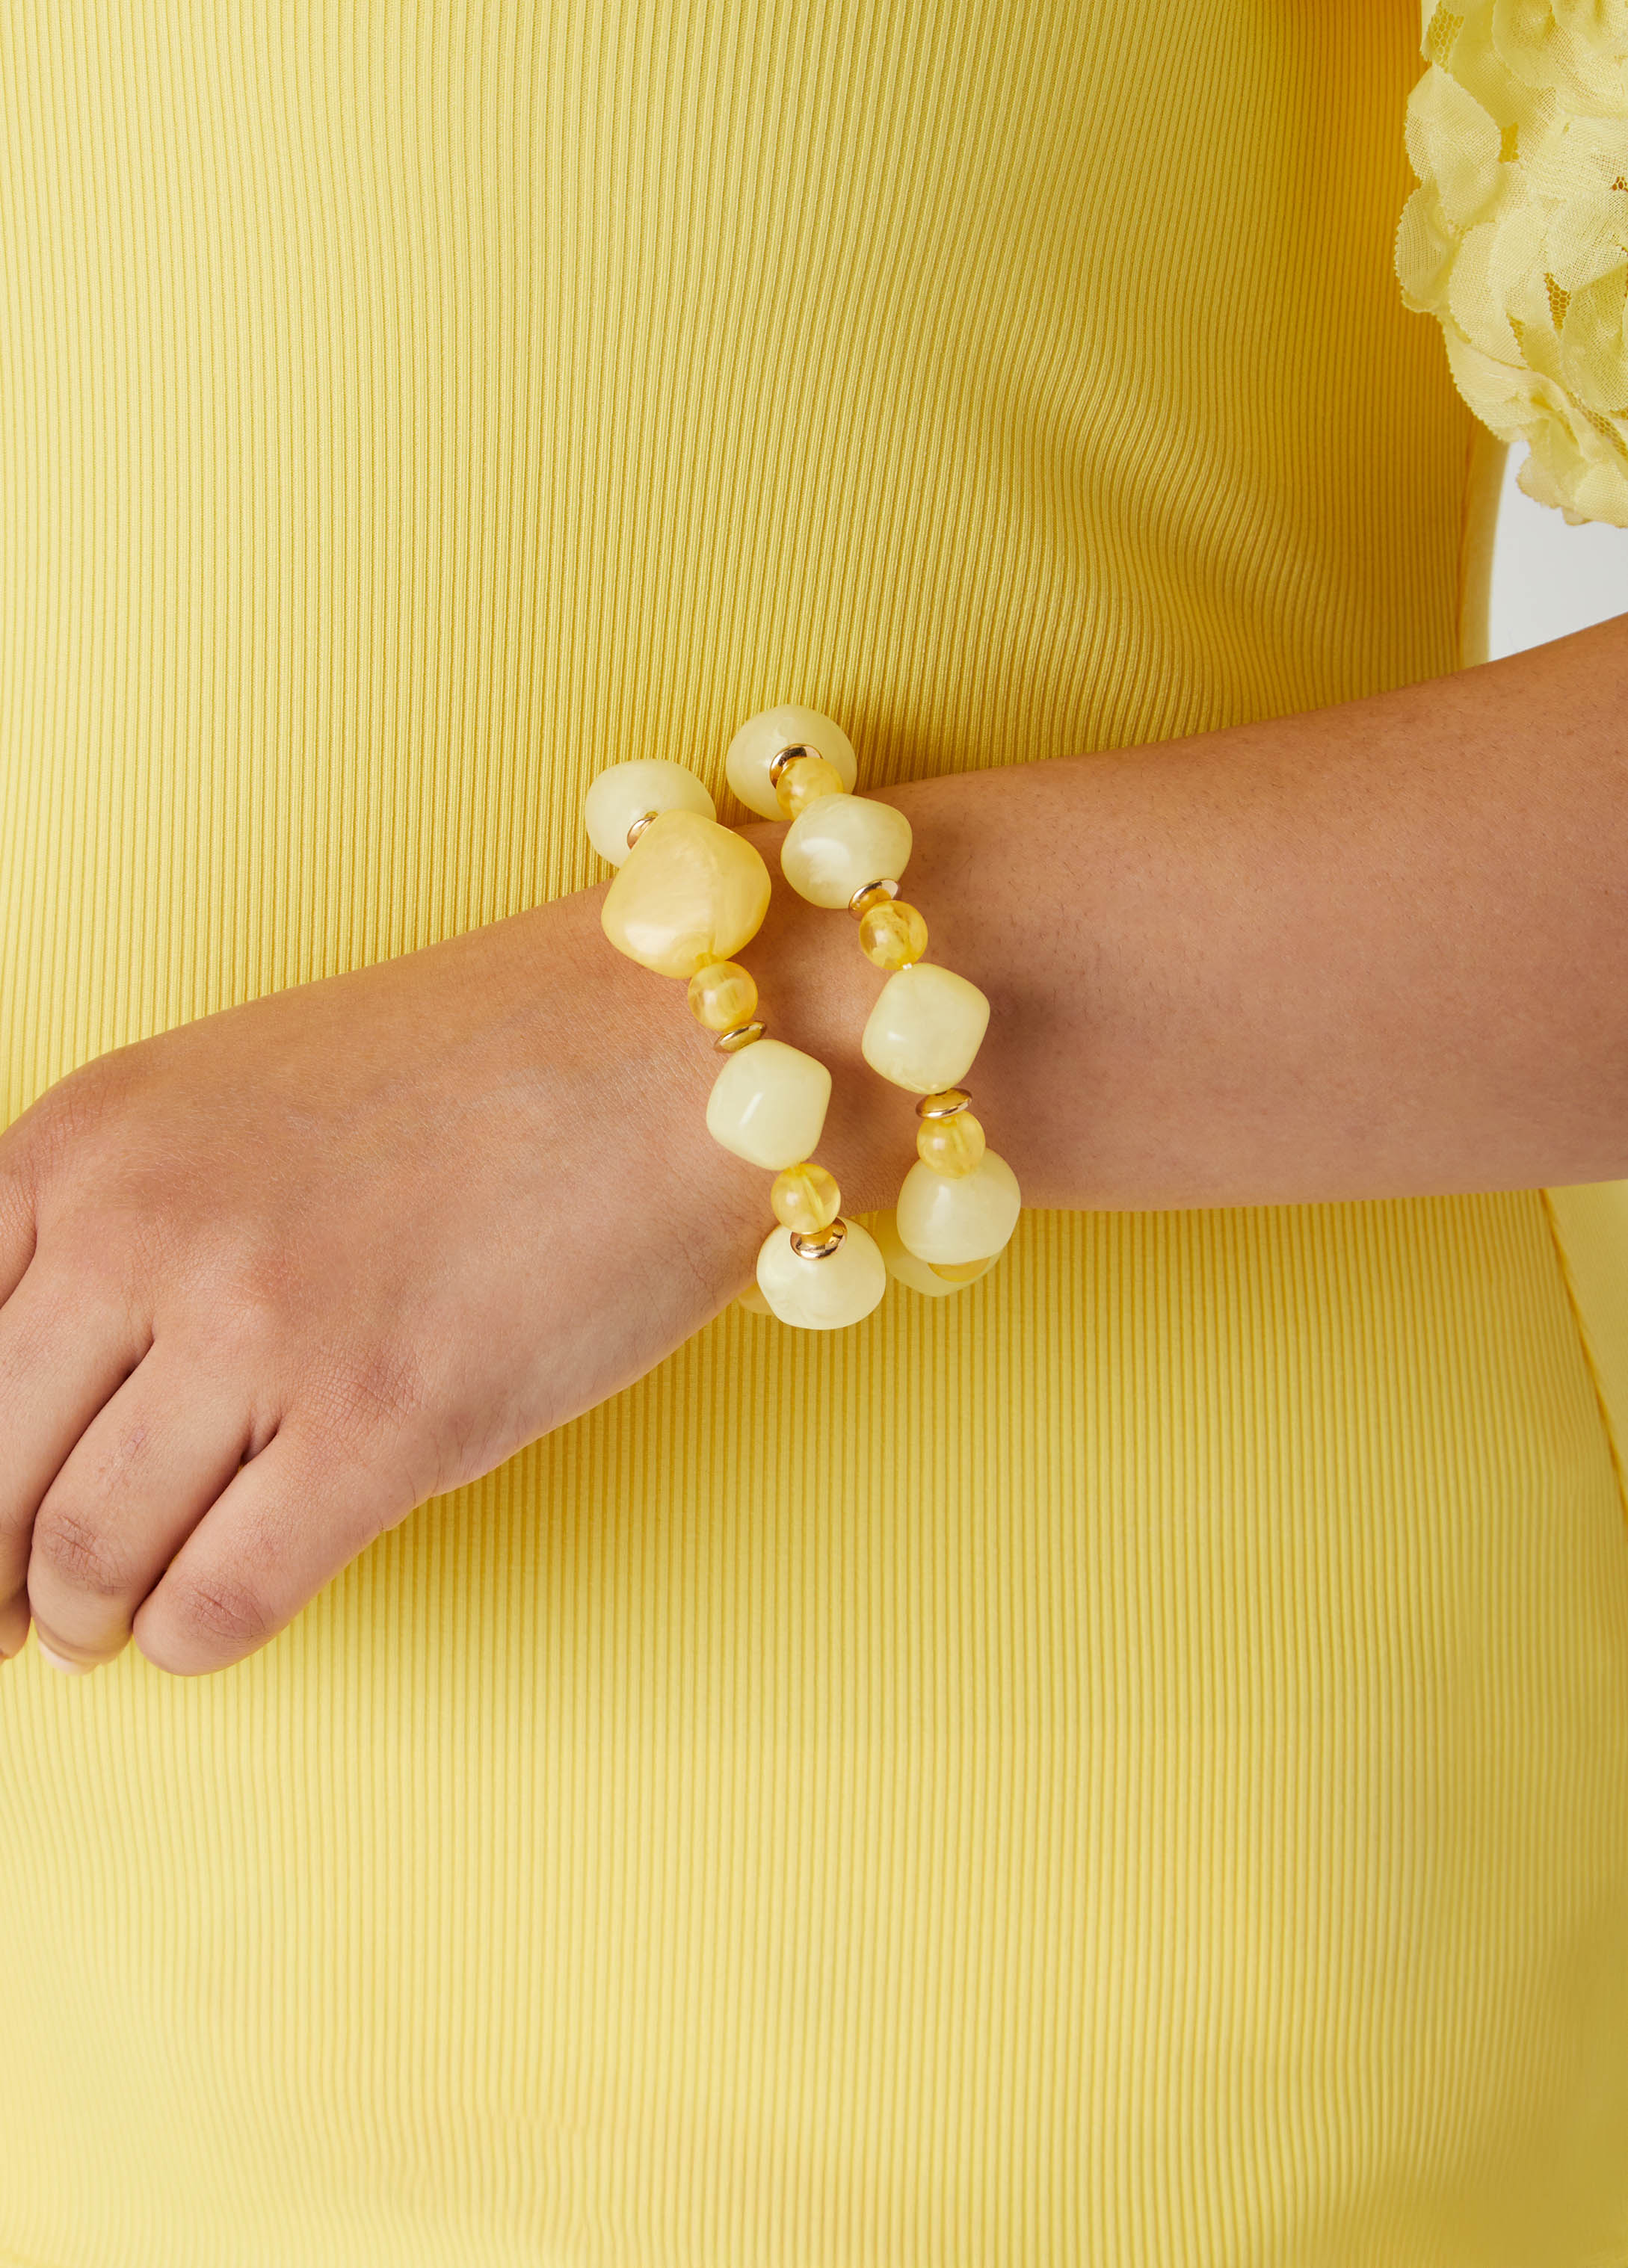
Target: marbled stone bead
<point>950,1145</point>
<point>689,892</point>
<point>891,934</point>
<point>722,995</point>
<point>965,1219</point>
<point>805,1197</point>
<point>840,843</point>
<point>623,792</point>
<point>821,1295</point>
<point>803,781</point>
<point>768,1104</point>
<point>926,1028</point>
<point>760,740</point>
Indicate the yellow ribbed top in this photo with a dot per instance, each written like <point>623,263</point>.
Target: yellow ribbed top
<point>1127,1766</point>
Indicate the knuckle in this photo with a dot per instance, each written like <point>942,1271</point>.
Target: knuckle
<point>80,1553</point>
<point>375,1390</point>
<point>219,1610</point>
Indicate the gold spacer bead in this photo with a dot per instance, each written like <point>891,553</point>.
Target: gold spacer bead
<point>871,894</point>
<point>740,1036</point>
<point>821,1246</point>
<point>944,1104</point>
<point>778,764</point>
<point>638,827</point>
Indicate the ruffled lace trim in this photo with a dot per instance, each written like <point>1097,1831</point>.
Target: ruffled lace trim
<point>1516,238</point>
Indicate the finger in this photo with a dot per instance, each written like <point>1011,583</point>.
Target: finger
<point>18,1234</point>
<point>68,1342</point>
<point>134,1485</point>
<point>280,1530</point>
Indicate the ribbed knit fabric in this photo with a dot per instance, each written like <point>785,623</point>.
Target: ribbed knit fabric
<point>1128,1766</point>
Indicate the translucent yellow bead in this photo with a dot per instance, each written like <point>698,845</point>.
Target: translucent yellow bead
<point>955,1273</point>
<point>803,781</point>
<point>805,1197</point>
<point>891,934</point>
<point>950,1145</point>
<point>722,994</point>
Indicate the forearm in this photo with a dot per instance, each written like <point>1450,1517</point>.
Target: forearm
<point>1377,950</point>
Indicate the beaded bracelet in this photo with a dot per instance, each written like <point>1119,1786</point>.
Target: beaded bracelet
<point>959,1204</point>
<point>687,895</point>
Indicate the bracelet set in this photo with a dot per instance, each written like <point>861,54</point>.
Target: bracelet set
<point>688,894</point>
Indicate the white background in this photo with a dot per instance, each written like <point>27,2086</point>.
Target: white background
<point>1549,578</point>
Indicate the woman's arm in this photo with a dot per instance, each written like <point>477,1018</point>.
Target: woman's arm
<point>1371,951</point>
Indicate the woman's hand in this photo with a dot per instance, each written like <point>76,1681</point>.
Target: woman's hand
<point>273,1278</point>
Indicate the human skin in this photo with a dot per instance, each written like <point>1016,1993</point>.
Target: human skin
<point>271,1280</point>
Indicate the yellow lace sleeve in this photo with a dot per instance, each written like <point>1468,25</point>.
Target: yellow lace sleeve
<point>1516,238</point>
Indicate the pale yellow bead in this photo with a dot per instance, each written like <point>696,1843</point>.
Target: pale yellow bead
<point>926,1028</point>
<point>840,843</point>
<point>968,1217</point>
<point>951,1147</point>
<point>722,995</point>
<point>891,934</point>
<point>803,781</point>
<point>689,892</point>
<point>623,792</point>
<point>805,1197</point>
<point>821,1295</point>
<point>768,1104</point>
<point>752,1300</point>
<point>760,740</point>
<point>901,1262</point>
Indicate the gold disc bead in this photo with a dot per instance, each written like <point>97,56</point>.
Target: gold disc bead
<point>722,994</point>
<point>944,1104</point>
<point>891,934</point>
<point>803,779</point>
<point>806,1198</point>
<point>951,1146</point>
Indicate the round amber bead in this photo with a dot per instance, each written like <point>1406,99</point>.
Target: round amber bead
<point>803,780</point>
<point>891,934</point>
<point>722,994</point>
<point>950,1145</point>
<point>806,1198</point>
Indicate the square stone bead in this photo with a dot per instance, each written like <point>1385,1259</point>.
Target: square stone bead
<point>689,891</point>
<point>925,1028</point>
<point>768,1104</point>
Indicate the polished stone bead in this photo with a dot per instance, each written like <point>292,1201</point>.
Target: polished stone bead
<point>968,1217</point>
<point>623,792</point>
<point>760,740</point>
<point>950,1145</point>
<point>822,1295</point>
<point>689,892</point>
<point>805,1197</point>
<point>891,934</point>
<point>840,843</point>
<point>768,1104</point>
<point>926,1028</point>
<point>722,995</point>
